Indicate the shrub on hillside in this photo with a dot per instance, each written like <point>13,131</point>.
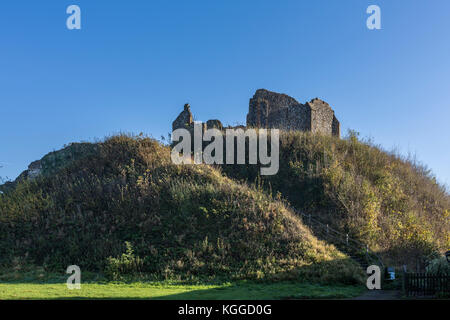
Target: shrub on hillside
<point>127,264</point>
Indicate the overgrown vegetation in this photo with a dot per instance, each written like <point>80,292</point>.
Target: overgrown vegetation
<point>439,266</point>
<point>391,203</point>
<point>126,209</point>
<point>127,264</point>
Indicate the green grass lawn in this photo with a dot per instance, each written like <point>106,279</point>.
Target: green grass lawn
<point>35,283</point>
<point>161,290</point>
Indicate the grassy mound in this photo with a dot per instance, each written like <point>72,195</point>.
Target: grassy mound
<point>124,208</point>
<point>392,204</point>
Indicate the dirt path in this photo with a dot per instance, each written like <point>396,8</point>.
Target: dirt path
<point>380,295</point>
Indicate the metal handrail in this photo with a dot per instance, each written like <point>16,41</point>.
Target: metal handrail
<point>344,238</point>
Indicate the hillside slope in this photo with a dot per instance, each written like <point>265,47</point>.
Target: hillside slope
<point>181,221</point>
<point>392,204</point>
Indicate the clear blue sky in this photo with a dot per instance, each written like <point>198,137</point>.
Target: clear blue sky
<point>134,64</point>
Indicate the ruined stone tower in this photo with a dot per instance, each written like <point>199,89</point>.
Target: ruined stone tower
<point>184,119</point>
<point>275,110</point>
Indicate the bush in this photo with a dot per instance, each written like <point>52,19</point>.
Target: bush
<point>439,266</point>
<point>127,264</point>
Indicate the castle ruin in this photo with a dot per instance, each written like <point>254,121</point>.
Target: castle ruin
<point>273,110</point>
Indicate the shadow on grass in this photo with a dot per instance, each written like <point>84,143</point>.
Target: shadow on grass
<point>335,279</point>
<point>248,291</point>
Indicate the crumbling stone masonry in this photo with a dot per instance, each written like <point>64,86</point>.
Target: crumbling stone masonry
<point>186,121</point>
<point>273,110</point>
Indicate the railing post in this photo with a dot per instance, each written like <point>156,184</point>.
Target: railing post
<point>367,254</point>
<point>327,231</point>
<point>346,239</point>
<point>404,283</point>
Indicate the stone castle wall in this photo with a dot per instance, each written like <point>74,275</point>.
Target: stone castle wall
<point>321,116</point>
<point>269,109</point>
<point>273,110</point>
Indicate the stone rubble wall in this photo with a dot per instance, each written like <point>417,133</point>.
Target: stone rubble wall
<point>321,117</point>
<point>273,110</point>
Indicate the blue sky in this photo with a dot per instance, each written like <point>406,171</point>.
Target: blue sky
<point>134,64</point>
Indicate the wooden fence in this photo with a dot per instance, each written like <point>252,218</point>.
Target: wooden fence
<point>422,284</point>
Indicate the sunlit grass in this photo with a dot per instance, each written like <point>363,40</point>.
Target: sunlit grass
<point>161,290</point>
